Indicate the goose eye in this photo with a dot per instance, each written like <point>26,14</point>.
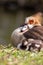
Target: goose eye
<point>31,21</point>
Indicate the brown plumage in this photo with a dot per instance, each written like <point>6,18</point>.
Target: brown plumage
<point>35,33</point>
<point>34,45</point>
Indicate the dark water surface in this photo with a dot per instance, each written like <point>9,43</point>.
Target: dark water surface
<point>10,21</point>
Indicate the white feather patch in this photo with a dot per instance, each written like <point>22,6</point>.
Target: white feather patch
<point>37,45</point>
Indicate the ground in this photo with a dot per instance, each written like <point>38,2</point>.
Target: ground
<point>13,56</point>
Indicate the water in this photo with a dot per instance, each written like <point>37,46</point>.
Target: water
<point>10,21</point>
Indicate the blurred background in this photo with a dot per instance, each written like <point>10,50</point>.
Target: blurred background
<point>13,14</point>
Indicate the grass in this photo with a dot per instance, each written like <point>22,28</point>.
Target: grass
<point>13,56</point>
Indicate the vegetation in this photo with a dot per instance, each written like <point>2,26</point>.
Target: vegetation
<point>13,56</point>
